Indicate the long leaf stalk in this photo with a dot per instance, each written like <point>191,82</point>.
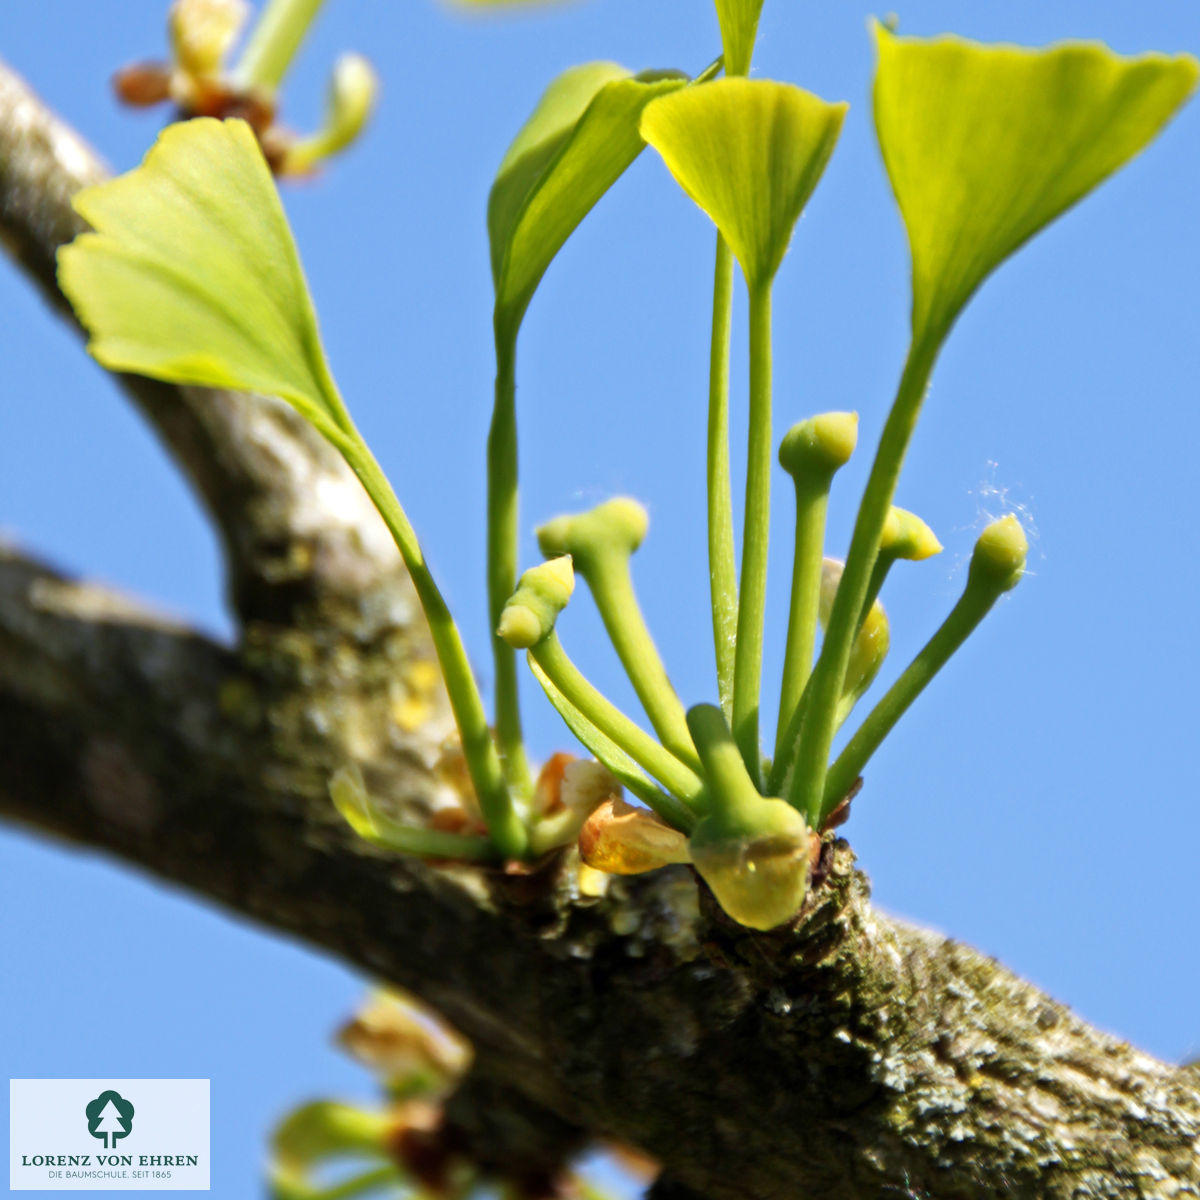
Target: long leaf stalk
<point>755,537</point>
<point>722,569</point>
<point>721,554</point>
<point>502,550</point>
<point>273,43</point>
<point>810,750</point>
<point>479,750</point>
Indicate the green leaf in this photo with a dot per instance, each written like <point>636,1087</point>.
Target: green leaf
<point>750,153</point>
<point>192,275</point>
<point>985,145</point>
<point>579,140</point>
<point>739,24</point>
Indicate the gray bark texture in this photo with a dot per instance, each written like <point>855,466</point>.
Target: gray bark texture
<point>852,1056</point>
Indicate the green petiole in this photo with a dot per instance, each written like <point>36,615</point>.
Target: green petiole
<point>502,560</point>
<point>810,751</point>
<point>274,42</point>
<point>721,568</point>
<point>601,543</point>
<point>755,537</point>
<point>479,751</point>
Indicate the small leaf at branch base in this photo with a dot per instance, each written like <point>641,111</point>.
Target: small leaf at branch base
<point>578,142</point>
<point>750,153</point>
<point>192,277</point>
<point>620,839</point>
<point>985,145</point>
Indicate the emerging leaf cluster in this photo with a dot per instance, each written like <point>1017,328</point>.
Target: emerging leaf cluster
<point>190,275</point>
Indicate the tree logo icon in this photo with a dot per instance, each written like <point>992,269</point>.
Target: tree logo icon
<point>109,1116</point>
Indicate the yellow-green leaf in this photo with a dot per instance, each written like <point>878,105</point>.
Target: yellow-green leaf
<point>191,275</point>
<point>578,142</point>
<point>749,152</point>
<point>985,145</point>
<point>739,24</point>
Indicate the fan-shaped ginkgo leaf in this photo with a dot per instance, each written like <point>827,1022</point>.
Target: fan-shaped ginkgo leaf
<point>191,275</point>
<point>985,145</point>
<point>749,152</point>
<point>739,24</point>
<point>578,142</point>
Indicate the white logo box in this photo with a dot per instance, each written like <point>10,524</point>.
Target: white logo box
<point>162,1145</point>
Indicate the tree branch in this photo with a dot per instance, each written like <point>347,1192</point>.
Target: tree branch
<point>848,1056</point>
<point>851,1056</point>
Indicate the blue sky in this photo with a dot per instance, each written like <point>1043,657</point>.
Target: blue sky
<point>1037,803</point>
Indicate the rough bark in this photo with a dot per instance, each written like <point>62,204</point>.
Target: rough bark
<point>850,1056</point>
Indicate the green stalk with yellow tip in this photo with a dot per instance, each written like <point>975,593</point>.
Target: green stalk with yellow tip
<point>353,89</point>
<point>274,42</point>
<point>996,567</point>
<point>601,543</point>
<point>811,453</point>
<point>527,623</point>
<point>905,536</point>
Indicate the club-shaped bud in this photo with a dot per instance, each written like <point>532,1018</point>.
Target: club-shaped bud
<point>615,528</point>
<point>623,840</point>
<point>202,31</point>
<point>753,852</point>
<point>353,89</point>
<point>996,566</point>
<point>601,543</point>
<point>814,449</point>
<point>542,593</point>
<point>906,536</point>
<point>998,561</point>
<point>811,452</point>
